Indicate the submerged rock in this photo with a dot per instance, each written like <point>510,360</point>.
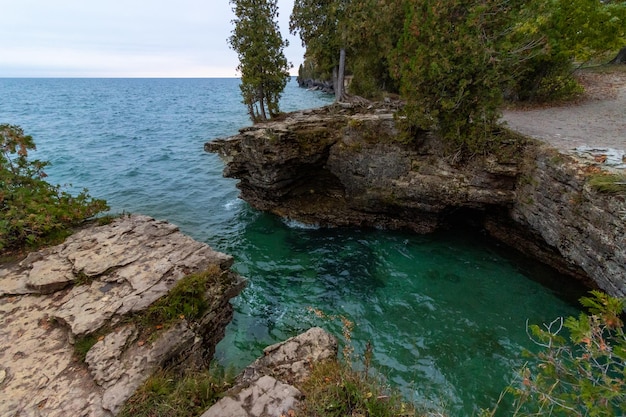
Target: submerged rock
<point>86,291</point>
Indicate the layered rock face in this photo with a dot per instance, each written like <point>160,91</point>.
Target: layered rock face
<point>340,167</point>
<point>95,285</point>
<point>266,387</point>
<point>582,232</point>
<point>337,167</point>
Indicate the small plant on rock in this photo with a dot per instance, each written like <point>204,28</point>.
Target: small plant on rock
<point>336,389</point>
<point>171,394</point>
<point>608,183</point>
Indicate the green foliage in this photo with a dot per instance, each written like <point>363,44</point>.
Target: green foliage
<point>450,69</point>
<point>262,63</point>
<point>83,344</point>
<point>318,24</point>
<point>168,394</point>
<point>187,299</point>
<point>373,29</point>
<point>335,388</point>
<point>551,35</point>
<point>31,209</point>
<point>366,29</point>
<point>582,376</point>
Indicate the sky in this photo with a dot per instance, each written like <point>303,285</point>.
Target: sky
<point>124,38</point>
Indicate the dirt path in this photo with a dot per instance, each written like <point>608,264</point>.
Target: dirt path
<point>598,120</point>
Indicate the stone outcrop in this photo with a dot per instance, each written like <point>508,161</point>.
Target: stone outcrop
<point>337,166</point>
<point>90,288</point>
<point>560,219</point>
<point>266,387</point>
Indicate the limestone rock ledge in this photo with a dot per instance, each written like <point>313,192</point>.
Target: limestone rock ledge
<point>561,220</point>
<point>90,285</point>
<point>339,166</point>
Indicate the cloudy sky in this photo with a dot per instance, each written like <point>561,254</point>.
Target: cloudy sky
<point>123,38</point>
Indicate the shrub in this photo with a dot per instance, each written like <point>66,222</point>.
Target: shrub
<point>582,376</point>
<point>31,209</point>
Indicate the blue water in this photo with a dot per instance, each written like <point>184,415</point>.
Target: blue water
<point>445,313</point>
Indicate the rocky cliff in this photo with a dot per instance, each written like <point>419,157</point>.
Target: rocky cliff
<point>79,325</point>
<point>340,166</point>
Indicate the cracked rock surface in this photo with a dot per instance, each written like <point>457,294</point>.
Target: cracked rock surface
<point>89,285</point>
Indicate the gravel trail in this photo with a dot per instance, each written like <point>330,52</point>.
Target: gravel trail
<point>597,120</point>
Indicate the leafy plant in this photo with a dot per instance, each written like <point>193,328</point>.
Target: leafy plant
<point>582,376</point>
<point>451,70</point>
<point>31,209</point>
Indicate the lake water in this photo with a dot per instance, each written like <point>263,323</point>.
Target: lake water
<point>445,313</point>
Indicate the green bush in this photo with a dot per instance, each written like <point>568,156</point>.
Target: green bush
<point>582,376</point>
<point>31,209</point>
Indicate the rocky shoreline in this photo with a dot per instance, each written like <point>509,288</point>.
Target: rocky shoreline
<point>342,166</point>
<point>74,339</point>
<point>92,289</point>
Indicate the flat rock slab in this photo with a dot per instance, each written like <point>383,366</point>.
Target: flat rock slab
<point>85,286</point>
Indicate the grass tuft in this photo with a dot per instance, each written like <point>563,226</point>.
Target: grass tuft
<point>608,183</point>
<point>186,300</point>
<point>334,389</point>
<point>171,394</point>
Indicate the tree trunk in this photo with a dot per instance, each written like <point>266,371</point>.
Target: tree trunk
<point>620,58</point>
<point>341,75</point>
<point>262,105</point>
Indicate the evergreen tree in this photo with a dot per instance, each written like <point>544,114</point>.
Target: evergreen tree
<point>322,25</point>
<point>262,63</point>
<point>449,68</point>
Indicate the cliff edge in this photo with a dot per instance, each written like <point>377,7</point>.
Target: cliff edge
<point>343,166</point>
<point>78,329</point>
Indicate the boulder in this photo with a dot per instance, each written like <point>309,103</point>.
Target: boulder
<point>84,294</point>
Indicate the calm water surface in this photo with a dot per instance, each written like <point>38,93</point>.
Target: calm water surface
<point>445,313</point>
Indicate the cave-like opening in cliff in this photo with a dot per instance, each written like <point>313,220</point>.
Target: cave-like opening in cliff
<point>478,223</point>
<point>463,219</point>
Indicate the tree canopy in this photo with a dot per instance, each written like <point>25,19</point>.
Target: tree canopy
<point>453,61</point>
<point>263,66</point>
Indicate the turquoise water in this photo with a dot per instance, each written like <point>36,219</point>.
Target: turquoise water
<point>445,313</point>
